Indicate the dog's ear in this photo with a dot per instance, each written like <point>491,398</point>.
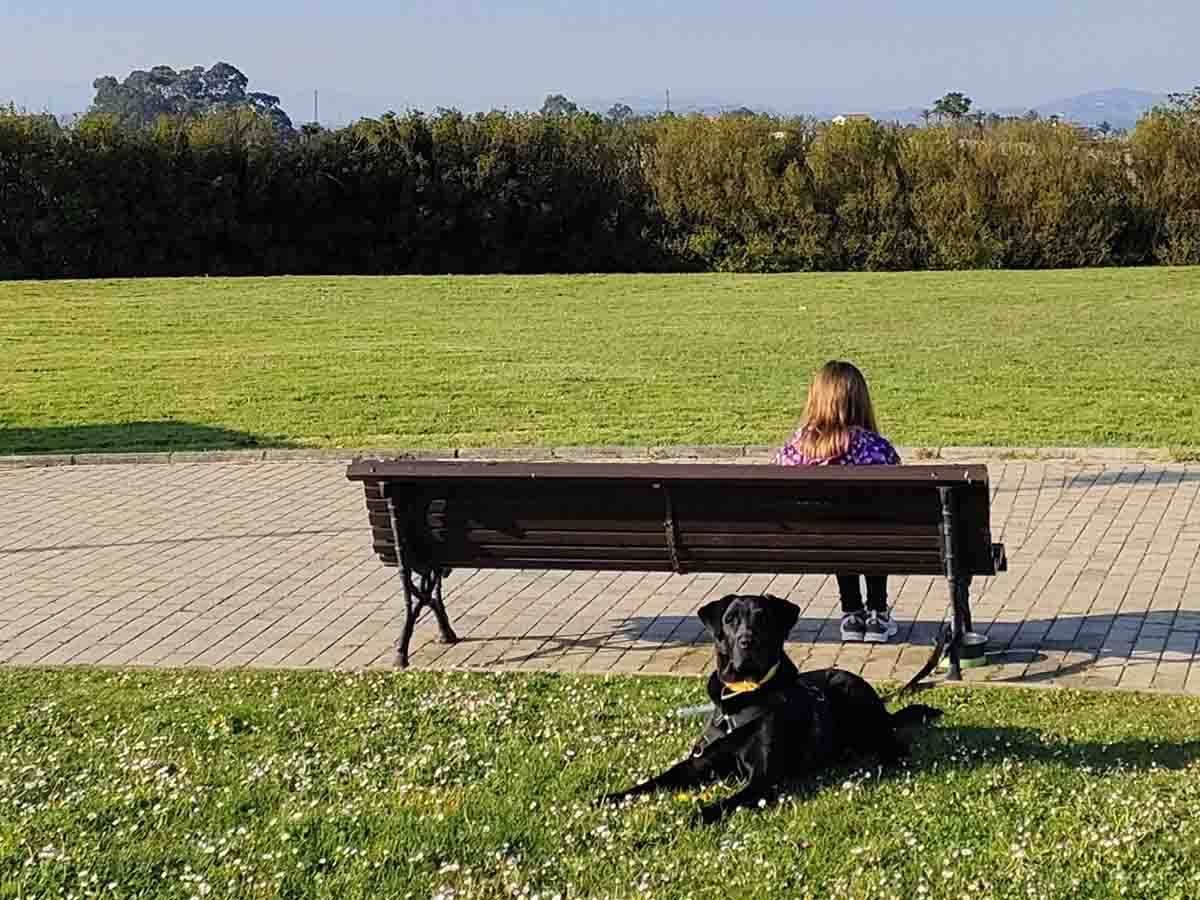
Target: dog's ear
<point>784,612</point>
<point>713,614</point>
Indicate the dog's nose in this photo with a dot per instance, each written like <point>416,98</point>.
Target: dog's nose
<point>744,642</point>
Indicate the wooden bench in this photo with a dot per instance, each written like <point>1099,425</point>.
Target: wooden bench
<point>430,517</point>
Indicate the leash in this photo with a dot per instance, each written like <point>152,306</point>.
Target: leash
<point>935,657</point>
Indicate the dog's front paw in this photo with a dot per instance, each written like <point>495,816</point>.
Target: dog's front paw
<point>711,814</point>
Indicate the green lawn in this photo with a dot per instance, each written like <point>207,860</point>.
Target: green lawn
<point>1102,357</point>
<point>270,784</point>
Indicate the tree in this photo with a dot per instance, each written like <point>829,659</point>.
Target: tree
<point>558,105</point>
<point>1105,128</point>
<point>1186,101</point>
<point>926,115</point>
<point>953,105</point>
<point>619,112</point>
<point>143,96</point>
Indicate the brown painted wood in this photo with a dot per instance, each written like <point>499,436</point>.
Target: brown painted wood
<point>881,519</point>
<point>461,549</point>
<point>559,537</point>
<point>721,566</point>
<point>371,470</point>
<point>578,524</point>
<point>747,567</point>
<point>582,525</point>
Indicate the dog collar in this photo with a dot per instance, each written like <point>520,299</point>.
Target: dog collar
<point>733,688</point>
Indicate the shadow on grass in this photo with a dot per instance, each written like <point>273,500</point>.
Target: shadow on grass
<point>967,745</point>
<point>131,437</point>
<point>960,747</point>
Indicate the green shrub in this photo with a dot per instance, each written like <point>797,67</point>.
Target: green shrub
<point>514,193</point>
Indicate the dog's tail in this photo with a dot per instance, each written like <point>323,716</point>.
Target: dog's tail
<point>930,664</point>
<point>915,714</point>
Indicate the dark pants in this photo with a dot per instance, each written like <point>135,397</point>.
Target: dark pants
<point>852,594</point>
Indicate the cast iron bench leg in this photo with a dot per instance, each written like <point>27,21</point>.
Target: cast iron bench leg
<point>960,585</point>
<point>960,600</point>
<point>410,619</point>
<point>439,610</point>
<point>417,597</point>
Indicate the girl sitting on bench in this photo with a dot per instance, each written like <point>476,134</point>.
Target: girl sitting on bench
<point>839,430</point>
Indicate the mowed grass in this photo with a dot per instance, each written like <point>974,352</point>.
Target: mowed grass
<point>270,784</point>
<point>1102,357</point>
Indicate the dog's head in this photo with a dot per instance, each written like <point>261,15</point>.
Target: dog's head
<point>748,631</point>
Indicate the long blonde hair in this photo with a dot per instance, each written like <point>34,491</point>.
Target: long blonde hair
<point>838,403</point>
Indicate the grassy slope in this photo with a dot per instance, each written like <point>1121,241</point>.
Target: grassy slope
<point>176,784</point>
<point>1011,358</point>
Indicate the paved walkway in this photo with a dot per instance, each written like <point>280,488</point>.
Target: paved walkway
<point>268,564</point>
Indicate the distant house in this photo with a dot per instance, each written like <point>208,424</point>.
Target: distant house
<point>1079,128</point>
<point>851,117</point>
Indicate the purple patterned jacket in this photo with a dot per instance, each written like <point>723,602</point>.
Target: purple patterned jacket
<point>866,449</point>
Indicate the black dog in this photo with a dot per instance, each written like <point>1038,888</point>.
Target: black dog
<point>772,723</point>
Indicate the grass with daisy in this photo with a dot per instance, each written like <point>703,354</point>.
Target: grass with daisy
<point>233,784</point>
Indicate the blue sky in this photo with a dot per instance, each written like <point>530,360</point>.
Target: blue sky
<point>370,55</point>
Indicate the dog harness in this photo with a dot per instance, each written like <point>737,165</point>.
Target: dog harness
<point>724,723</point>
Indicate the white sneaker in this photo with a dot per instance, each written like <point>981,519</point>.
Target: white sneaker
<point>880,626</point>
<point>854,626</point>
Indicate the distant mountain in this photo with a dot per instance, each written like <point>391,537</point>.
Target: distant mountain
<point>1120,107</point>
<point>643,105</point>
<point>906,115</point>
<point>337,108</point>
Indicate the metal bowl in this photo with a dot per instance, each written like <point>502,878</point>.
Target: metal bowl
<point>972,653</point>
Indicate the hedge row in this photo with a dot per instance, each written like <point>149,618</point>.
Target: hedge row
<point>504,192</point>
